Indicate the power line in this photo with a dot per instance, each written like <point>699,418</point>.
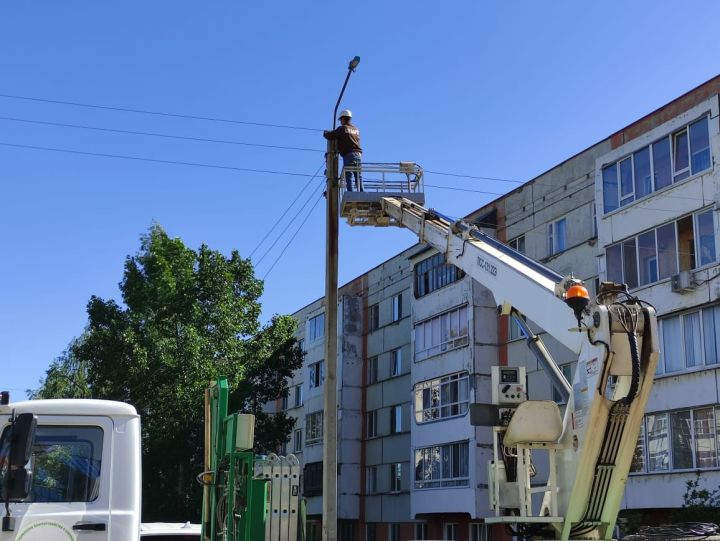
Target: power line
<point>156,113</point>
<point>154,134</point>
<point>292,238</point>
<point>154,160</point>
<point>459,175</point>
<point>461,189</point>
<point>277,239</point>
<point>277,222</point>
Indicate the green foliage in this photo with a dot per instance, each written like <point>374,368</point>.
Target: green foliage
<point>699,504</point>
<point>66,378</point>
<point>188,317</point>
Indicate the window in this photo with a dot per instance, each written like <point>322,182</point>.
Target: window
<point>374,317</point>
<point>656,166</point>
<point>396,419</point>
<point>442,398</point>
<point>566,369</point>
<point>397,309</point>
<point>298,396</point>
<point>441,333</point>
<point>394,532</point>
<point>317,374</point>
<point>420,531</point>
<point>314,428</point>
<point>689,340</point>
<point>372,370</point>
<point>396,362</point>
<point>66,463</point>
<point>370,532</point>
<point>557,236</point>
<point>450,531</point>
<point>371,424</point>
<point>679,440</point>
<point>316,328</point>
<point>478,531</point>
<point>395,477</point>
<point>371,473</point>
<point>518,244</point>
<point>442,466</point>
<point>297,440</point>
<point>433,273</point>
<point>658,254</point>
<point>514,329</point>
<point>301,344</point>
<point>312,479</point>
<point>284,403</point>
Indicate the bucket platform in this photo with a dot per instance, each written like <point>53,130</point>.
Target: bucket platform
<point>363,204</point>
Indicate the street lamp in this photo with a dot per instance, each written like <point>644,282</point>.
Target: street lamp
<point>329,527</point>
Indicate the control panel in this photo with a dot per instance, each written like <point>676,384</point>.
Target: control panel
<point>508,385</point>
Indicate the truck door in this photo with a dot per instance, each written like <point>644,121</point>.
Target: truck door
<point>70,495</point>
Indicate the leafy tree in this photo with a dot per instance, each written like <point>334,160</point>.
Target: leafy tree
<point>188,317</point>
<point>65,378</point>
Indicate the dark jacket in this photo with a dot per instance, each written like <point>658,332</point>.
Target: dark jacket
<point>348,138</point>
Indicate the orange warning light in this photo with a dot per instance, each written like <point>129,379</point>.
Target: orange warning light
<point>577,298</point>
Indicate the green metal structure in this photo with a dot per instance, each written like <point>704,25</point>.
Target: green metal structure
<point>234,503</point>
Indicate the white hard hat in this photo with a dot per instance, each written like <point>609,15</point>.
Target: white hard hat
<point>345,112</point>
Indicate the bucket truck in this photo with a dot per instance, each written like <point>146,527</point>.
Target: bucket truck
<point>614,336</point>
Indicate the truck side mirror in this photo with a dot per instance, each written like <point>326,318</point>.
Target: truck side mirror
<point>23,437</point>
<point>18,481</point>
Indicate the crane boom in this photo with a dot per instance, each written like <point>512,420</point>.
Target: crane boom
<point>615,340</point>
<point>512,277</point>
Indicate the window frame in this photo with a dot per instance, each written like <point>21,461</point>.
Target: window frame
<point>374,317</point>
<point>372,370</point>
<point>434,273</point>
<point>397,307</point>
<point>443,346</point>
<point>692,219</point>
<point>676,176</point>
<point>396,424</point>
<point>316,328</point>
<point>395,477</point>
<point>556,244</point>
<point>670,440</point>
<point>396,362</point>
<point>297,440</point>
<point>703,340</point>
<point>316,376</point>
<point>314,428</point>
<point>460,481</point>
<point>371,424</point>
<point>435,388</point>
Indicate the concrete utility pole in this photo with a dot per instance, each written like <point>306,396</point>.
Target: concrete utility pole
<point>329,525</point>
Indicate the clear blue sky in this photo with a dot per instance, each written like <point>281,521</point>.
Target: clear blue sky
<point>497,89</point>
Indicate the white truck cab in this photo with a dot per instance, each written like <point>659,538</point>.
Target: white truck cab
<point>86,469</point>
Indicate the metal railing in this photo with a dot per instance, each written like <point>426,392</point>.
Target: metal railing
<point>400,177</point>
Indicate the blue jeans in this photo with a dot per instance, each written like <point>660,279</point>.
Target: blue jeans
<point>352,159</point>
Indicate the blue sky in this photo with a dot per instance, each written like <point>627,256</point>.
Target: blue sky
<point>494,89</point>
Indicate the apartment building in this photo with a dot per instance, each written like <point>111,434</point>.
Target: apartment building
<point>418,337</point>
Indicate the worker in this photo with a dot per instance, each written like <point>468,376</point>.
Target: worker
<point>348,138</point>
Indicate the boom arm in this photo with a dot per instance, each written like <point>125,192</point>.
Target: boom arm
<point>512,278</point>
<point>616,344</point>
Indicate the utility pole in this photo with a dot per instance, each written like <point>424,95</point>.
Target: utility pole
<point>330,469</point>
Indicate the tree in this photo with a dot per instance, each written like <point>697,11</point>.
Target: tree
<point>188,317</point>
<point>65,378</point>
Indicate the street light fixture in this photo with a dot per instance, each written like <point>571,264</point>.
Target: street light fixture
<point>330,473</point>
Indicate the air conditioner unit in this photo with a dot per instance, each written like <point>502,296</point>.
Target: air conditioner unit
<point>682,282</point>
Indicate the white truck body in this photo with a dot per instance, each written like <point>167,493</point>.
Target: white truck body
<point>87,472</point>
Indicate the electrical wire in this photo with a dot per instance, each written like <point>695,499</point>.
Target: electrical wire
<point>157,113</point>
<point>277,222</point>
<point>292,238</point>
<point>153,134</point>
<point>153,160</point>
<point>461,189</point>
<point>277,239</point>
<point>460,175</point>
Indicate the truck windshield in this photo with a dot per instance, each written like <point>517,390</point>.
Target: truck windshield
<point>66,463</point>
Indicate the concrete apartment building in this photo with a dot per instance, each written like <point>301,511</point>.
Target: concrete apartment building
<point>418,337</point>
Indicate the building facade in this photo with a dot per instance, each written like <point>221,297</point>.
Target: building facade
<point>418,338</point>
